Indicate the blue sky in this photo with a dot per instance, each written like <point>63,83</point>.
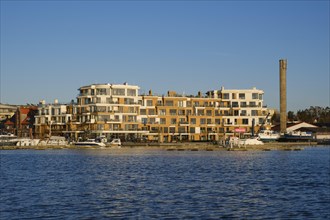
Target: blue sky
<point>51,48</point>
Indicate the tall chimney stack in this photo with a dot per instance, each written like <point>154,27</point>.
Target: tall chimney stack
<point>283,67</point>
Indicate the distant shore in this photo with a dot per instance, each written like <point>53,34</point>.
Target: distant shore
<point>176,147</point>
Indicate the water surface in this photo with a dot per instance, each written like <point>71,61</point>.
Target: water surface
<point>144,184</point>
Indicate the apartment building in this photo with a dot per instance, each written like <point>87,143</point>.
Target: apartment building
<point>118,111</point>
<point>53,119</point>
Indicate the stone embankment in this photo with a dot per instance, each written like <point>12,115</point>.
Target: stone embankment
<point>176,146</point>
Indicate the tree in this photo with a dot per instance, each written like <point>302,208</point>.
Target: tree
<point>291,116</point>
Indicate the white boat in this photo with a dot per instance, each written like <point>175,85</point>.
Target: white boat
<point>90,142</point>
<point>251,141</point>
<point>27,142</point>
<point>54,141</point>
<point>268,135</point>
<point>8,140</point>
<point>115,143</point>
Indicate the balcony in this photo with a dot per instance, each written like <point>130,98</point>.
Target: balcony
<point>184,123</point>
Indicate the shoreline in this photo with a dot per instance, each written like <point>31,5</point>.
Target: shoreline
<point>177,147</point>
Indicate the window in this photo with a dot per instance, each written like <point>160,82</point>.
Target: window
<point>173,121</point>
<point>181,112</point>
<point>149,102</point>
<point>245,121</point>
<point>192,130</point>
<point>234,104</point>
<point>209,112</point>
<point>182,130</point>
<point>101,109</point>
<point>180,103</point>
<point>193,121</point>
<point>254,112</point>
<point>172,112</point>
<point>169,103</point>
<point>120,92</point>
<point>255,95</point>
<point>143,111</point>
<point>128,101</point>
<point>101,91</point>
<point>131,92</point>
<point>200,112</point>
<point>162,112</point>
<point>203,121</point>
<point>241,96</point>
<point>162,121</point>
<point>225,95</point>
<point>151,111</point>
<point>131,110</point>
<point>260,96</point>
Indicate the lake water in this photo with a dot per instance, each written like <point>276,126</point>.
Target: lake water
<point>156,184</point>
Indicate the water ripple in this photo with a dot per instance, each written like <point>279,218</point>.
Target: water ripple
<point>94,184</point>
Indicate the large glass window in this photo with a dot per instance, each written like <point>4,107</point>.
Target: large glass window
<point>162,112</point>
<point>143,111</point>
<point>173,121</point>
<point>149,103</point>
<point>151,111</point>
<point>120,92</point>
<point>101,91</point>
<point>245,121</point>
<point>131,92</point>
<point>225,95</point>
<point>255,96</point>
<point>241,96</point>
<point>162,121</point>
<point>172,111</point>
<point>168,103</point>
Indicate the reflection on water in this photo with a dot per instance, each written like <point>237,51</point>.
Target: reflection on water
<point>78,184</point>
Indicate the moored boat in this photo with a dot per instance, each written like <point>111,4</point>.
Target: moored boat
<point>115,143</point>
<point>297,136</point>
<point>251,141</point>
<point>268,135</point>
<point>8,140</point>
<point>90,142</point>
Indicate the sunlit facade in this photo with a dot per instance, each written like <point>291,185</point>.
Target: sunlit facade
<point>118,111</point>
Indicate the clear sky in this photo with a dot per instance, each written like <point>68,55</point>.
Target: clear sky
<point>51,48</point>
